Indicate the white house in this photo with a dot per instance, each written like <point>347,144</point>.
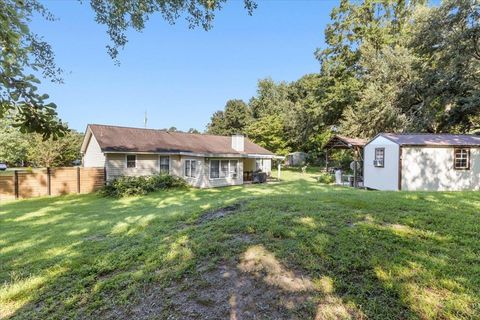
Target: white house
<point>422,162</point>
<point>202,160</point>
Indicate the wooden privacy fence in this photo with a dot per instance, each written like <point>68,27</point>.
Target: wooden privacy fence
<point>23,184</point>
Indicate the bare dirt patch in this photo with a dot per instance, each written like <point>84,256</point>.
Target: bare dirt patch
<point>219,213</point>
<point>254,286</point>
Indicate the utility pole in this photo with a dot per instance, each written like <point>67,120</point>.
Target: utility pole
<point>145,120</point>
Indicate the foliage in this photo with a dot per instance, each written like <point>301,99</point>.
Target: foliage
<point>129,186</point>
<point>193,130</point>
<point>233,120</point>
<point>13,144</point>
<point>120,16</point>
<point>18,149</point>
<point>369,254</point>
<point>271,98</point>
<point>21,53</point>
<point>388,66</point>
<point>325,178</point>
<point>54,153</point>
<point>268,132</point>
<point>449,65</point>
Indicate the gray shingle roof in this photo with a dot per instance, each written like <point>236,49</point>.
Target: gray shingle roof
<point>430,139</point>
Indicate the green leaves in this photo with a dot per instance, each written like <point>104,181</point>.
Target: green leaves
<point>232,120</point>
<point>120,16</point>
<point>21,51</point>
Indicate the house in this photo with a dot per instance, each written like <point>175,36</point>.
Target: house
<point>203,160</point>
<point>422,162</point>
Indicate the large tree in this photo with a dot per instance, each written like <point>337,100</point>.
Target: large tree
<point>446,40</point>
<point>269,132</point>
<point>25,56</point>
<point>54,153</point>
<point>13,145</point>
<point>233,119</point>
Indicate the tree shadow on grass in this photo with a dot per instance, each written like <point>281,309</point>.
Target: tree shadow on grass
<point>386,257</point>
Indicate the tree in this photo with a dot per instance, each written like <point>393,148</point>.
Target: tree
<point>193,130</point>
<point>381,104</point>
<point>356,25</point>
<point>22,52</point>
<point>234,119</point>
<point>120,16</point>
<point>448,64</point>
<point>271,98</point>
<point>14,144</point>
<point>217,123</point>
<point>269,132</point>
<point>54,153</point>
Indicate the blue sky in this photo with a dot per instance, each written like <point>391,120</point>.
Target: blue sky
<point>179,76</point>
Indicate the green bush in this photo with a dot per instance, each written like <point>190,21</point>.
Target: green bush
<point>131,186</point>
<point>325,178</point>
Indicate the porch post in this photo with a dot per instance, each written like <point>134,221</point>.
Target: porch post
<point>279,169</point>
<point>326,160</point>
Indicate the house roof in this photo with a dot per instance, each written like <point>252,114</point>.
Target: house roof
<point>430,139</point>
<point>125,139</point>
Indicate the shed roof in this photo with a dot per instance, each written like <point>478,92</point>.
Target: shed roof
<point>431,139</point>
<point>126,139</point>
<point>343,142</point>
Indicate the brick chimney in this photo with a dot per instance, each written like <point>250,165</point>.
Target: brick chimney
<point>238,142</point>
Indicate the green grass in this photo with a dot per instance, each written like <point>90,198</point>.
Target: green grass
<point>359,254</point>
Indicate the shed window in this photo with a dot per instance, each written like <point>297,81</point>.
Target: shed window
<point>131,161</point>
<point>462,159</point>
<point>379,157</point>
<point>190,168</point>
<point>165,164</point>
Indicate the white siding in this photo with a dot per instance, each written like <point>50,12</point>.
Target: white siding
<point>203,174</point>
<point>93,156</point>
<point>147,164</point>
<point>385,178</point>
<point>432,169</point>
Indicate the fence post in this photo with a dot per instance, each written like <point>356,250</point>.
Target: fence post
<point>49,182</point>
<point>78,179</point>
<point>105,175</point>
<point>15,183</point>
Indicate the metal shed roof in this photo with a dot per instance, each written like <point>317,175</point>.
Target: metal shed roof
<point>432,139</point>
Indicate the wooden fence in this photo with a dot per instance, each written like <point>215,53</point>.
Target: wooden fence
<point>21,184</point>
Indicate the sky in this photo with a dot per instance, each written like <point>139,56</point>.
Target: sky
<point>177,75</point>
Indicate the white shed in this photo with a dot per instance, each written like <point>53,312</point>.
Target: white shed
<point>427,162</point>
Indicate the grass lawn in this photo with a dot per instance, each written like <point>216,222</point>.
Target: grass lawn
<point>290,250</point>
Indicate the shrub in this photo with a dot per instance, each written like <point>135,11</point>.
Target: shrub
<point>325,178</point>
<point>130,186</point>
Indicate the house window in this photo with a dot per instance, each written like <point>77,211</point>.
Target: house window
<point>223,169</point>
<point>462,159</point>
<point>191,168</point>
<point>214,169</point>
<point>131,161</point>
<point>164,164</point>
<point>379,157</point>
<point>234,168</point>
